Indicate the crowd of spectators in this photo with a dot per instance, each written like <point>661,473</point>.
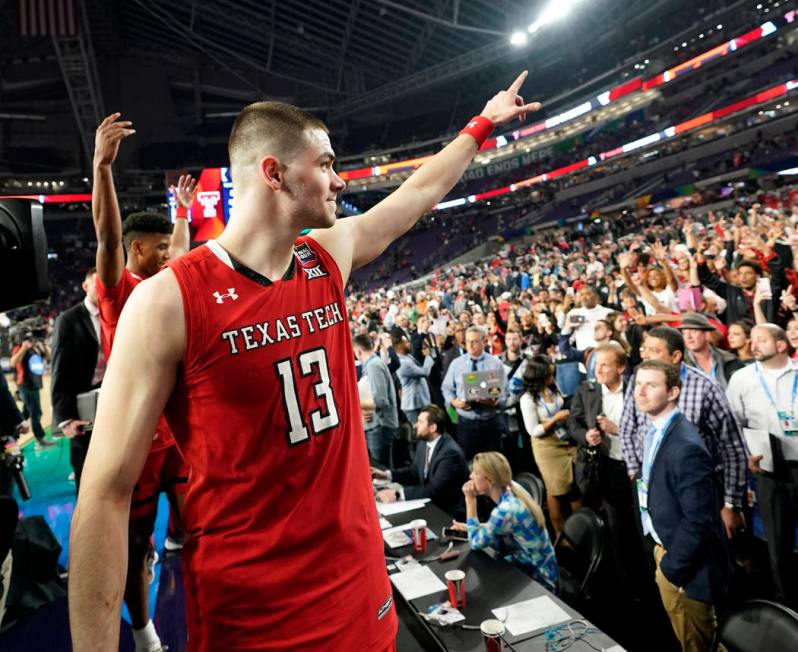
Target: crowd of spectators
<point>564,320</point>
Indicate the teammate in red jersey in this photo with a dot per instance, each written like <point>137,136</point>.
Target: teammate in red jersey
<point>149,240</point>
<point>245,342</point>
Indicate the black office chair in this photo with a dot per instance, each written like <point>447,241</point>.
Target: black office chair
<point>534,486</point>
<point>579,550</point>
<point>758,626</point>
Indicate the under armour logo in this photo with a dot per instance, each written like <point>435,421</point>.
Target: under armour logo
<point>231,294</point>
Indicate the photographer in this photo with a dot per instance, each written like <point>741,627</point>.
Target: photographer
<point>28,358</point>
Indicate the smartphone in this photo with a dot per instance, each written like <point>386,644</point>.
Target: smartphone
<point>763,285</point>
<point>578,319</point>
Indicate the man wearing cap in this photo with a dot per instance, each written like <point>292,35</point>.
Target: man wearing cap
<point>702,355</point>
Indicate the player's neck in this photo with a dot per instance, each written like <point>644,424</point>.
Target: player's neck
<point>267,251</point>
<point>135,270</point>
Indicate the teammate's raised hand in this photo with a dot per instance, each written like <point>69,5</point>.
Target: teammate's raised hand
<point>108,136</point>
<point>507,105</point>
<point>184,190</point>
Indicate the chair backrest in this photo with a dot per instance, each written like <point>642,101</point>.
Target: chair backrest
<point>584,531</point>
<point>534,485</point>
<point>758,626</point>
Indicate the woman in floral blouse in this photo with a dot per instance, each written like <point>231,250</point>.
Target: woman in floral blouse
<point>516,528</point>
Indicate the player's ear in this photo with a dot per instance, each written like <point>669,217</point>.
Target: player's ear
<point>271,171</point>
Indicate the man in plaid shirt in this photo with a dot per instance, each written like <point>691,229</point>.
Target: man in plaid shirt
<point>704,404</point>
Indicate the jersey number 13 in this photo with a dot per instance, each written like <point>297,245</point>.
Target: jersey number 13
<point>310,363</point>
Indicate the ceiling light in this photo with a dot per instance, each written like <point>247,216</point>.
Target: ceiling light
<point>518,39</point>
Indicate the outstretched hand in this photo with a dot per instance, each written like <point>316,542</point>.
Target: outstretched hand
<point>184,191</point>
<point>109,134</point>
<point>507,105</point>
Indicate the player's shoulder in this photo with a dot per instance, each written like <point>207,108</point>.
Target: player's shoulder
<point>159,293</point>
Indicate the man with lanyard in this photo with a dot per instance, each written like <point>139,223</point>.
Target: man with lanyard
<point>676,497</point>
<point>479,422</point>
<point>704,404</point>
<point>763,399</point>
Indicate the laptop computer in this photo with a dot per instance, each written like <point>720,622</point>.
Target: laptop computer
<point>482,385</point>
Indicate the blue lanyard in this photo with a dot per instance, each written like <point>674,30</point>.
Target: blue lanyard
<point>767,391</point>
<point>684,374</point>
<point>648,460</point>
<point>546,406</point>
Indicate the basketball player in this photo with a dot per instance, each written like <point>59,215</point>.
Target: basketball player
<point>246,344</point>
<point>150,240</point>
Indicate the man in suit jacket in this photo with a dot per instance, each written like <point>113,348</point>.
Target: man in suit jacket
<point>678,509</point>
<point>78,366</point>
<point>438,471</point>
<point>456,345</point>
<point>595,414</point>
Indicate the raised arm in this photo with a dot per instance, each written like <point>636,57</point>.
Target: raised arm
<point>104,204</point>
<point>180,242</point>
<point>661,254</point>
<point>141,374</point>
<point>356,241</point>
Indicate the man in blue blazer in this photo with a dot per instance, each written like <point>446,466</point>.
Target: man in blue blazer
<point>438,471</point>
<point>678,509</point>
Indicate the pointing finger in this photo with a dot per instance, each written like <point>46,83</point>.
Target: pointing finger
<point>519,81</point>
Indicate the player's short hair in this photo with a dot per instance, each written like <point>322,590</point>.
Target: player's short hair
<point>673,377</point>
<point>363,342</point>
<point>673,339</point>
<point>89,273</point>
<point>139,224</point>
<point>614,348</point>
<point>436,415</point>
<point>269,128</point>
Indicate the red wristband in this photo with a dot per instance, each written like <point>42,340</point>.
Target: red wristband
<point>182,213</point>
<point>479,128</point>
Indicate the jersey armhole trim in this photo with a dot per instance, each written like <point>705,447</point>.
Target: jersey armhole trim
<point>183,275</point>
<point>330,259</point>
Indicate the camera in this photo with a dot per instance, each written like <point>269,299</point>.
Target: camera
<point>11,466</point>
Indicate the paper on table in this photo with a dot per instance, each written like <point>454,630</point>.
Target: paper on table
<point>415,583</point>
<point>758,442</point>
<point>388,509</point>
<point>530,615</point>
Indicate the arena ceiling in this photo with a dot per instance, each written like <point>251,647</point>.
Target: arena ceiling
<point>183,70</point>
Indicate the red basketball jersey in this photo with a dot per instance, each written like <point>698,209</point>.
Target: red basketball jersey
<point>285,550</point>
<point>110,302</point>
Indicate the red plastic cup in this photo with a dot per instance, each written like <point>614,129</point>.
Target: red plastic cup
<point>418,530</point>
<point>492,632</point>
<point>455,580</point>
